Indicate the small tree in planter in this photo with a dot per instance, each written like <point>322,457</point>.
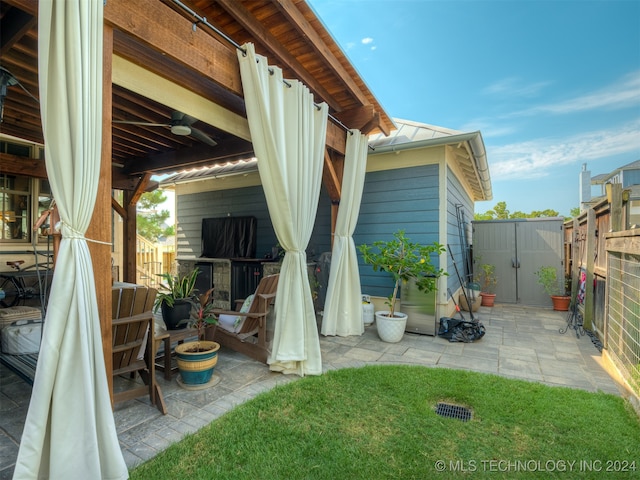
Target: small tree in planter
<point>197,359</point>
<point>548,278</point>
<point>404,261</point>
<point>488,281</point>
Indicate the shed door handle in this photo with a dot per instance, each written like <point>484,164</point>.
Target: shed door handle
<point>515,263</point>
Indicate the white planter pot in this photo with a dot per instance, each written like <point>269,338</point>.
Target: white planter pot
<point>391,329</point>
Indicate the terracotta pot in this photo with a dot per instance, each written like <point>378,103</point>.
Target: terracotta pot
<point>488,299</point>
<point>560,302</point>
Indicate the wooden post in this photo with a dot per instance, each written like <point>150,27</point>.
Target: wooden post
<point>100,226</point>
<point>590,252</point>
<point>615,207</point>
<point>129,231</point>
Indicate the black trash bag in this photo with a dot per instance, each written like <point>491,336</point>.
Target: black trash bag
<point>456,330</point>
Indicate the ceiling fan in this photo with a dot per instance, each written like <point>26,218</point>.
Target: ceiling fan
<point>180,124</point>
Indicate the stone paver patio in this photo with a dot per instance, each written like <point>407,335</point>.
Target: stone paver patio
<point>521,342</point>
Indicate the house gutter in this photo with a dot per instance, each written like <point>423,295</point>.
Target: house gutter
<point>475,142</point>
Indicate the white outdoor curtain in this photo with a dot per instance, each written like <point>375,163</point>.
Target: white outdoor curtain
<point>343,304</point>
<point>70,430</point>
<point>288,133</point>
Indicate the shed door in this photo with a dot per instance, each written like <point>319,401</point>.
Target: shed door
<point>495,243</point>
<point>518,249</point>
<point>539,244</point>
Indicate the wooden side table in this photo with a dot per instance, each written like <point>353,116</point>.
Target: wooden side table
<point>169,337</point>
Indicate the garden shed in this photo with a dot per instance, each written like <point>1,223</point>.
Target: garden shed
<point>421,178</point>
<point>518,248</point>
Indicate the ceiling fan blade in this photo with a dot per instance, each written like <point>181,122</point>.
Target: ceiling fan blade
<point>203,137</point>
<point>179,118</point>
<point>143,124</point>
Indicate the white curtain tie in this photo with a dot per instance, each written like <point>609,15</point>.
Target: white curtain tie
<point>71,233</point>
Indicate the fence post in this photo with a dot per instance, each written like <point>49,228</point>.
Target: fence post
<point>615,205</point>
<point>590,247</point>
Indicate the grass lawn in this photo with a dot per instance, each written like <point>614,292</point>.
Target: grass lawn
<point>379,422</point>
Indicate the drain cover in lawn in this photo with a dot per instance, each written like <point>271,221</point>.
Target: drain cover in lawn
<point>453,411</point>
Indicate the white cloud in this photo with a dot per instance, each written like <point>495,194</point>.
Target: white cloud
<point>513,87</point>
<point>537,158</point>
<point>624,93</point>
<point>367,40</point>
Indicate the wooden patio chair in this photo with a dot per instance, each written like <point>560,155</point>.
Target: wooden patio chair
<point>134,344</point>
<point>249,336</point>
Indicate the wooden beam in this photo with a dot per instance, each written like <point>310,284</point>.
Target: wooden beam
<point>118,208</point>
<point>357,117</point>
<point>282,55</point>
<point>140,189</point>
<point>167,31</point>
<point>17,165</point>
<point>29,6</point>
<point>296,18</point>
<point>331,178</point>
<point>100,226</point>
<point>129,232</point>
<point>151,85</point>
<point>624,242</point>
<point>372,125</point>
<point>336,138</point>
<point>14,25</point>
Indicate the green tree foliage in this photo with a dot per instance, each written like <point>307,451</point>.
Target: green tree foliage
<point>500,212</point>
<point>150,221</point>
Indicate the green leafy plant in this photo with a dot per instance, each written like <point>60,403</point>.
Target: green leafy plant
<point>174,288</point>
<point>404,260</point>
<point>487,277</point>
<point>548,278</point>
<point>201,315</point>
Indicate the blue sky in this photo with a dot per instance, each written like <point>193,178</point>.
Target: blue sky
<point>551,84</point>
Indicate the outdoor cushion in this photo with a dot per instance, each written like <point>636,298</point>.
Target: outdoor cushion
<point>233,323</point>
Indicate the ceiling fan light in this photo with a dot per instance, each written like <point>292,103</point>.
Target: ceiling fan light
<point>180,130</point>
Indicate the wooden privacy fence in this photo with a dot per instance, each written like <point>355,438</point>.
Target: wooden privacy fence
<point>152,260</point>
<point>603,257</point>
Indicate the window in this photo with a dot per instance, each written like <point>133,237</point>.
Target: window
<point>17,195</point>
<point>22,198</point>
<point>15,206</point>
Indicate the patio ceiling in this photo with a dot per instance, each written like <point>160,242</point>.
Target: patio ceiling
<point>165,60</point>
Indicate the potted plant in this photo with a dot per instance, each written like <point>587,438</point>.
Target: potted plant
<point>404,261</point>
<point>548,278</point>
<point>197,359</point>
<point>175,298</point>
<point>488,281</point>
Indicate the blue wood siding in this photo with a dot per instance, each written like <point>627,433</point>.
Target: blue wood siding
<point>402,199</point>
<point>192,208</point>
<point>456,195</point>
